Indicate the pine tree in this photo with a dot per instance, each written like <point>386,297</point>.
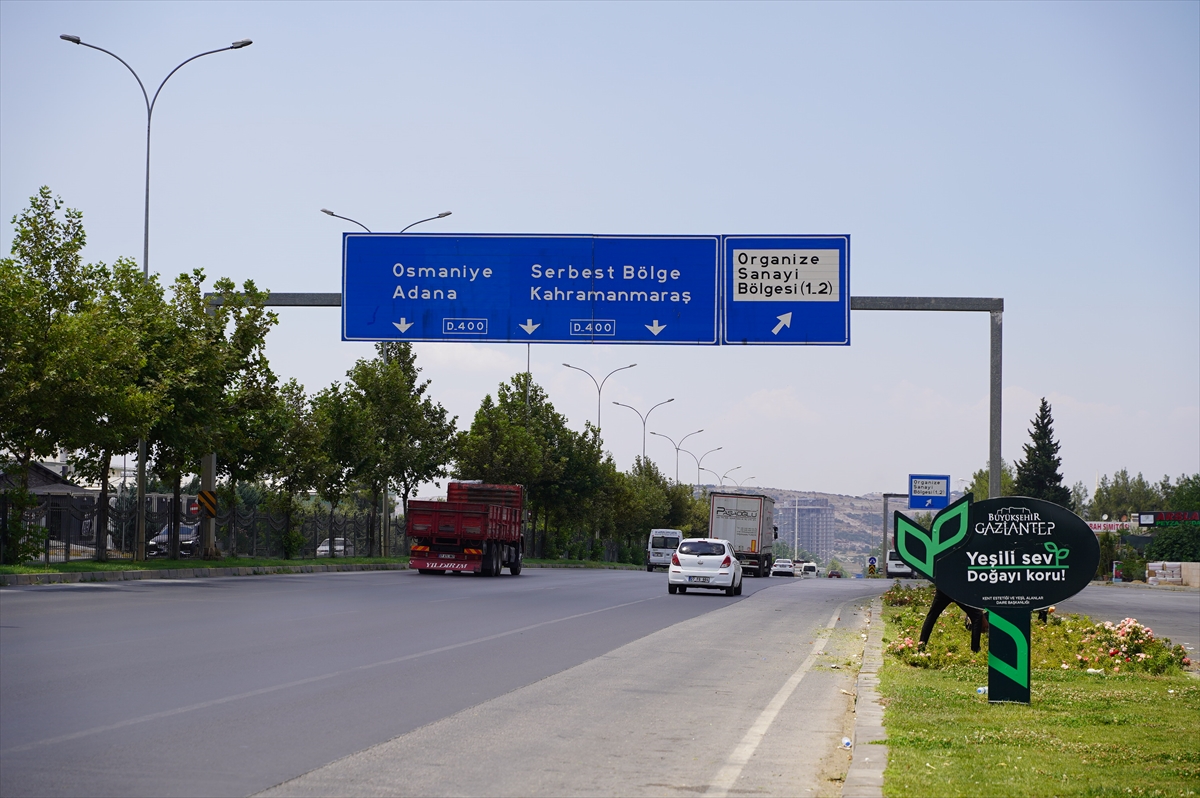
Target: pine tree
<point>1038,474</point>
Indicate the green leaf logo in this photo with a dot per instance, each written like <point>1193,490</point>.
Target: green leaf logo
<point>905,531</point>
<point>1060,552</point>
<point>1019,672</point>
<point>949,529</point>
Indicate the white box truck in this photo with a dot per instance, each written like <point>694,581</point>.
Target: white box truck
<point>748,522</point>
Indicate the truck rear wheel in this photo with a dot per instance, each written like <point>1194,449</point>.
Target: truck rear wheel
<point>488,559</point>
<point>497,560</point>
<point>514,567</point>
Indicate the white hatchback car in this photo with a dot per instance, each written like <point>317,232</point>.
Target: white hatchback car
<point>706,563</point>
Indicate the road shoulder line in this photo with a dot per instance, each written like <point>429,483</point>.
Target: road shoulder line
<point>727,776</point>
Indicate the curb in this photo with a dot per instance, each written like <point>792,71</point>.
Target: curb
<point>864,779</point>
<point>16,580</point>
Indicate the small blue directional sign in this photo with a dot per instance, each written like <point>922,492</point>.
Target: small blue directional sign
<point>786,290</point>
<point>527,288</point>
<point>928,491</point>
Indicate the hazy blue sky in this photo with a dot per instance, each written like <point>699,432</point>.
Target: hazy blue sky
<point>1047,153</point>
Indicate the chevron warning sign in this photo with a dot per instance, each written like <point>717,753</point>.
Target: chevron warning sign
<point>208,503</point>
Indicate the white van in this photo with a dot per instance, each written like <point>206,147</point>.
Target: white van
<point>808,569</point>
<point>897,566</point>
<point>661,546</point>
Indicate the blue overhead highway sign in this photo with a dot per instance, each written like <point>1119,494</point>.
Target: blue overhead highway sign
<point>526,288</point>
<point>786,290</point>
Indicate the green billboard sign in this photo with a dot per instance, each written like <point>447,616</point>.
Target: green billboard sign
<point>1009,556</point>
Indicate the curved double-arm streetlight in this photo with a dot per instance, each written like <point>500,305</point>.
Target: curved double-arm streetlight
<point>743,482</point>
<point>441,215</point>
<point>699,460</point>
<point>677,447</point>
<point>643,418</point>
<point>599,385</point>
<point>727,473</point>
<point>140,552</point>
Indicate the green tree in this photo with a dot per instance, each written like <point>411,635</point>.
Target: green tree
<point>72,370</point>
<point>121,328</point>
<point>1176,543</point>
<point>642,505</point>
<point>44,287</point>
<point>220,393</point>
<point>1080,505</point>
<point>1039,473</point>
<point>1122,496</point>
<point>410,435</point>
<point>341,425</point>
<point>298,464</point>
<point>1184,494</point>
<point>979,482</point>
<point>521,439</point>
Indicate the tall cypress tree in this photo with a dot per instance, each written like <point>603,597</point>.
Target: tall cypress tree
<point>1038,474</point>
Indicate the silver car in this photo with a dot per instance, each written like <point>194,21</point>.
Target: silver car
<point>341,549</point>
<point>707,564</point>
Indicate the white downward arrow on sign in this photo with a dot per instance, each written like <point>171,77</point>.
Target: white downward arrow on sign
<point>403,324</point>
<point>656,328</point>
<point>784,321</point>
<point>529,326</point>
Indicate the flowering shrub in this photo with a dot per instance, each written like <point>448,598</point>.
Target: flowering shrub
<point>1128,646</point>
<point>899,595</point>
<point>950,643</point>
<point>1073,642</point>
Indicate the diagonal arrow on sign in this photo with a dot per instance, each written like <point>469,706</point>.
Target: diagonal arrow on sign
<point>785,320</point>
<point>403,324</point>
<point>656,328</point>
<point>529,326</point>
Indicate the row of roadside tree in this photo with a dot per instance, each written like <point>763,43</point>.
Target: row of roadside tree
<point>98,357</point>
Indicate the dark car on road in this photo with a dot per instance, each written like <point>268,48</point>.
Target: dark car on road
<point>189,541</point>
<point>835,574</point>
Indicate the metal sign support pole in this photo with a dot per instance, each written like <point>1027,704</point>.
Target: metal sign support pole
<point>994,307</point>
<point>208,523</point>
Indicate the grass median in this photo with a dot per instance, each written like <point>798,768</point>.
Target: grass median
<point>1109,732</point>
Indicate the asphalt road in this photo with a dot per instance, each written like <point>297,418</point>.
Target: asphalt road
<point>231,686</point>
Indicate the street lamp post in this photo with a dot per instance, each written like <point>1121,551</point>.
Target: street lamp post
<point>643,418</point>
<point>140,553</point>
<point>677,447</point>
<point>727,473</point>
<point>599,385</point>
<point>743,482</point>
<point>700,460</point>
<point>385,525</point>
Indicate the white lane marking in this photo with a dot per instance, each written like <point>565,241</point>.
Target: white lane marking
<point>727,776</point>
<point>310,680</point>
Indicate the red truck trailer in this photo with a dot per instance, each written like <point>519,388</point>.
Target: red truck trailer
<point>478,529</point>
